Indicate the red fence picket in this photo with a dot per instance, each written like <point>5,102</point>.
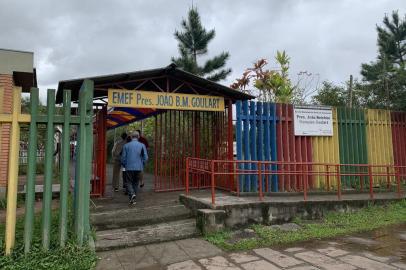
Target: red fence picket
<point>398,122</point>
<point>291,148</point>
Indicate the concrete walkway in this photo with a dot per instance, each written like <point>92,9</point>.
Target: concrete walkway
<point>381,249</point>
<point>157,256</point>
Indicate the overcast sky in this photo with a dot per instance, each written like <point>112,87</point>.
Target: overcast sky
<point>72,39</point>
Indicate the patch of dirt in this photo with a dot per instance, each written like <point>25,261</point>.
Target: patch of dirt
<point>242,235</point>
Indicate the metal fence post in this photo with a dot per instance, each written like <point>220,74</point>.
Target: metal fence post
<point>328,177</point>
<point>31,174</point>
<point>63,211</point>
<point>371,192</point>
<point>338,181</point>
<point>304,182</point>
<point>213,191</point>
<point>261,195</point>
<point>84,159</point>
<point>397,169</point>
<point>187,176</point>
<point>48,174</point>
<point>13,172</point>
<point>89,151</point>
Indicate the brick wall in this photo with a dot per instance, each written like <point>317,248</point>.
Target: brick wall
<point>6,82</point>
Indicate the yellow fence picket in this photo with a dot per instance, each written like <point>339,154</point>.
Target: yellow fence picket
<point>379,141</point>
<point>326,150</point>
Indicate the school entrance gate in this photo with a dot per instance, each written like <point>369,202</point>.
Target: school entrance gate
<point>192,118</point>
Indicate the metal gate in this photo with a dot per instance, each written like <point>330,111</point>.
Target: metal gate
<point>181,134</point>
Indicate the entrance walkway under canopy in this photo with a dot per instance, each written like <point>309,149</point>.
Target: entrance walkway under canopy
<point>177,133</point>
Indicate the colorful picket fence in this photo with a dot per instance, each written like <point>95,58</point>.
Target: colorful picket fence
<point>84,123</point>
<point>264,132</point>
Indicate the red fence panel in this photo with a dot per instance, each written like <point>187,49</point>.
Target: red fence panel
<point>98,181</point>
<point>291,148</point>
<point>398,122</point>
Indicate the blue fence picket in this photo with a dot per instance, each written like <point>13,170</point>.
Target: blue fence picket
<point>253,142</point>
<point>260,138</point>
<point>256,140</point>
<point>247,182</point>
<point>267,137</point>
<point>238,135</point>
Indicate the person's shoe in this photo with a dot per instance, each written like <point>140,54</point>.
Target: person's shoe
<point>142,185</point>
<point>116,190</point>
<point>132,200</point>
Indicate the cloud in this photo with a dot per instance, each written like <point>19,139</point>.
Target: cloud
<point>73,39</point>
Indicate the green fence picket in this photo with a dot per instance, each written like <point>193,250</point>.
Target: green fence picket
<point>84,162</point>
<point>32,166</point>
<point>353,148</point>
<point>48,175</point>
<point>89,151</point>
<point>63,210</point>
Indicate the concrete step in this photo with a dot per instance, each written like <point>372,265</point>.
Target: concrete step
<point>142,235</point>
<point>134,216</point>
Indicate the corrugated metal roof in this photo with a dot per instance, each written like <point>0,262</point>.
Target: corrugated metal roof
<point>171,74</point>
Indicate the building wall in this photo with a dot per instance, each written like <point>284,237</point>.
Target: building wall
<point>6,88</point>
<point>11,61</point>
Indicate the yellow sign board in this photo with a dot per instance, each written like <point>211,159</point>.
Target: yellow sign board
<point>162,100</point>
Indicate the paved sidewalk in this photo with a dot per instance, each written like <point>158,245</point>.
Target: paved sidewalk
<point>374,250</point>
<point>157,256</point>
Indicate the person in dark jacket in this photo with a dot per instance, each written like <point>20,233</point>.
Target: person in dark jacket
<point>133,159</point>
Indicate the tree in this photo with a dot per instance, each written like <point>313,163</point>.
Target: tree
<point>193,42</point>
<point>385,78</point>
<point>338,95</point>
<point>270,85</point>
<point>330,95</point>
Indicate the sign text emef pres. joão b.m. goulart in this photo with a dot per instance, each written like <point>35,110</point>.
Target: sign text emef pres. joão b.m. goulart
<point>162,100</point>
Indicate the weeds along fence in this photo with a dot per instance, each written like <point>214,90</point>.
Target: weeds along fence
<point>84,122</point>
<point>264,132</point>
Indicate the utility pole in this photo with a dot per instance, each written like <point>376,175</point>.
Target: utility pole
<point>350,92</point>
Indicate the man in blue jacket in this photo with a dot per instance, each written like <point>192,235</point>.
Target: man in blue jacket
<point>133,158</point>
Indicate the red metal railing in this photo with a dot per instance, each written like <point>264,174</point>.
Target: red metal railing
<point>383,176</point>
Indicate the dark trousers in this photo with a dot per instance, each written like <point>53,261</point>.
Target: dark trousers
<point>132,180</point>
<point>125,180</point>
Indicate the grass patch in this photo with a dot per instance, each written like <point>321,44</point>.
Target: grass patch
<point>70,257</point>
<point>332,225</point>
